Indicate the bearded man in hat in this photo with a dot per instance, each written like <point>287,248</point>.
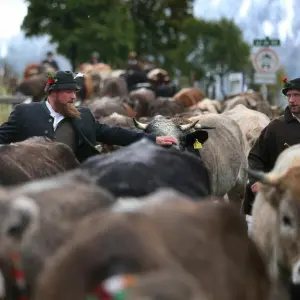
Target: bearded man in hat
<point>279,134</point>
<point>57,118</point>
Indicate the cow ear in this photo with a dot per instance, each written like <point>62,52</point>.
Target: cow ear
<point>199,135</point>
<point>23,211</point>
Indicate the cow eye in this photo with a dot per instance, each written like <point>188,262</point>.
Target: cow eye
<point>286,220</point>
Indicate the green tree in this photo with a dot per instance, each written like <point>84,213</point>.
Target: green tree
<point>112,27</point>
<point>214,47</point>
<point>158,25</point>
<point>80,27</point>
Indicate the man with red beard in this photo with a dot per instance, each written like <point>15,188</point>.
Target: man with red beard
<point>57,118</point>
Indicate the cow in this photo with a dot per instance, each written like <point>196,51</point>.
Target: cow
<point>250,121</point>
<point>168,235</point>
<point>34,158</point>
<point>114,87</point>
<point>223,153</point>
<point>105,106</point>
<point>140,100</point>
<point>38,217</point>
<point>250,99</point>
<point>143,167</point>
<point>33,86</point>
<point>276,219</point>
<point>189,96</point>
<point>208,105</point>
<point>165,107</point>
<point>117,120</point>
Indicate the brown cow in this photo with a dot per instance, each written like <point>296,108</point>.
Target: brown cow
<point>33,86</point>
<point>189,96</point>
<point>114,87</point>
<point>37,217</point>
<point>34,158</point>
<point>208,240</point>
<point>105,106</point>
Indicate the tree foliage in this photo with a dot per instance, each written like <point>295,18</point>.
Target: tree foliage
<point>165,29</point>
<point>83,26</point>
<point>215,47</point>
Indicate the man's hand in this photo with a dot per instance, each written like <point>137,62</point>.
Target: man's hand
<point>254,187</point>
<point>165,140</point>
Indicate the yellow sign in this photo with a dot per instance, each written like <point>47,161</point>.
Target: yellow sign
<point>197,145</point>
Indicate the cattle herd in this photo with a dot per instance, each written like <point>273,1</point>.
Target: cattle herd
<point>151,222</point>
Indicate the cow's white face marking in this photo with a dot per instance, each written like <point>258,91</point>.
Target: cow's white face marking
<point>25,204</point>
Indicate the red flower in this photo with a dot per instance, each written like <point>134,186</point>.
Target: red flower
<point>50,81</point>
<point>284,79</point>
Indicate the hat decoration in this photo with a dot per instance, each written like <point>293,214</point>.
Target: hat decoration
<point>113,288</point>
<point>51,79</point>
<point>284,80</point>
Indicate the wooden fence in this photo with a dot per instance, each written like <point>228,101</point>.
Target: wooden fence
<point>7,104</point>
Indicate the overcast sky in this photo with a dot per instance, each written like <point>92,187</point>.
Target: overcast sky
<point>12,13</point>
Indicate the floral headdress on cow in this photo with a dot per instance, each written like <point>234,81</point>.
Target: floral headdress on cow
<point>293,84</point>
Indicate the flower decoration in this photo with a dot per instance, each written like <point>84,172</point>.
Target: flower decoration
<point>51,79</point>
<point>285,80</point>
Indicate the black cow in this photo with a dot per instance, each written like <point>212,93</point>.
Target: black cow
<point>143,167</point>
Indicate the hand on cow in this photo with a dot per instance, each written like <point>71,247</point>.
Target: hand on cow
<point>165,140</point>
<point>254,187</point>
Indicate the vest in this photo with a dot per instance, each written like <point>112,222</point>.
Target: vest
<point>66,134</point>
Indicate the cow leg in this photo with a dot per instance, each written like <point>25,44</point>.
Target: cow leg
<point>237,194</point>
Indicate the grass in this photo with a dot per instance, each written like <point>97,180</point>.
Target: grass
<point>5,110</point>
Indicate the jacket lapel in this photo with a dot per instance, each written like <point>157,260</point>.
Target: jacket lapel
<point>76,126</point>
<point>45,106</point>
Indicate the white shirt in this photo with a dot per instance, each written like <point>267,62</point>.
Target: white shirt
<point>56,116</point>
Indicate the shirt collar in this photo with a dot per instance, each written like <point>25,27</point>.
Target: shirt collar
<point>53,113</point>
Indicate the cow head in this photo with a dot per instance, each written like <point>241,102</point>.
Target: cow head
<point>282,192</point>
<point>186,134</point>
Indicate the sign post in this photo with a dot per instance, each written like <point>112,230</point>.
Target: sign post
<point>266,63</point>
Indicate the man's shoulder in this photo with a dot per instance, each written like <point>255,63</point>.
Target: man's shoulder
<point>33,106</point>
<point>84,110</point>
<point>278,121</point>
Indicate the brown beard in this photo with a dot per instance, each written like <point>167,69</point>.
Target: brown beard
<point>68,110</point>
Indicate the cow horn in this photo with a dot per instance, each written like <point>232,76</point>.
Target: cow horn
<point>139,125</point>
<point>189,126</point>
<point>199,126</point>
<point>265,178</point>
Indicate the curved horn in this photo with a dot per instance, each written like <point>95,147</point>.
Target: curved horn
<point>199,126</point>
<point>265,178</point>
<point>189,126</point>
<point>139,125</point>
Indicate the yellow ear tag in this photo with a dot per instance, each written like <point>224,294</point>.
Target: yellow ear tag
<point>197,145</point>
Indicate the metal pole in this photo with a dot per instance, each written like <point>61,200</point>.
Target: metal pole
<point>264,92</point>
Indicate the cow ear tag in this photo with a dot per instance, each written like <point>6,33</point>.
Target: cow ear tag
<point>197,145</point>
